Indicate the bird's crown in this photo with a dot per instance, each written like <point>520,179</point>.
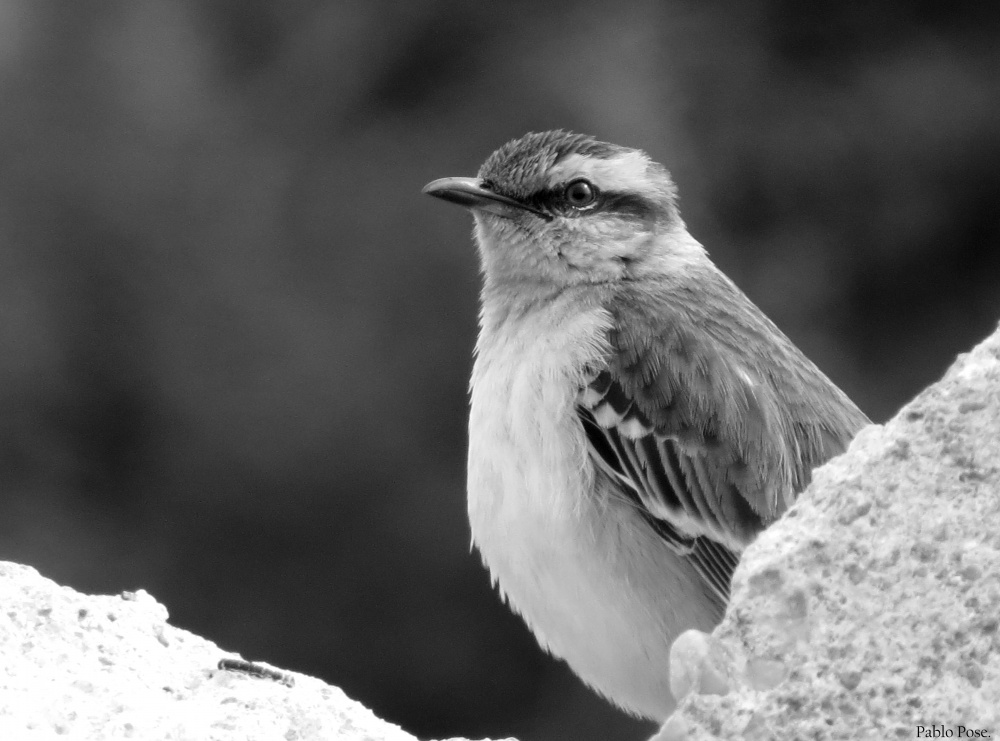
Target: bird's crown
<point>563,173</point>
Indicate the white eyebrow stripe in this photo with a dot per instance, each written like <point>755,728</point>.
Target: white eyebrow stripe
<point>628,172</point>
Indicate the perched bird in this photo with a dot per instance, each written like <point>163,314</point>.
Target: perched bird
<point>635,419</point>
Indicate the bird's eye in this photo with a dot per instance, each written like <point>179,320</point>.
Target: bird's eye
<point>580,194</point>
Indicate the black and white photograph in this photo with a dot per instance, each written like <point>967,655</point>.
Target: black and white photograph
<point>540,371</point>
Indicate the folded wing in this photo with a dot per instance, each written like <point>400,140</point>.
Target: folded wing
<point>710,448</point>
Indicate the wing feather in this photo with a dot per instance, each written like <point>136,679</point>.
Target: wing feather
<point>664,486</point>
<point>702,495</point>
<point>710,428</point>
<point>671,468</point>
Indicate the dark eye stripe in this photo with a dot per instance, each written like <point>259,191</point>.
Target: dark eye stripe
<point>553,201</point>
<point>629,204</point>
<point>612,202</point>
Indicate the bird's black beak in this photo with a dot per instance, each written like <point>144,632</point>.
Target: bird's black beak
<point>471,193</point>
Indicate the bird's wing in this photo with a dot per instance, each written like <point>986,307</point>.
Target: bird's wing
<point>711,434</point>
<point>672,490</point>
<point>646,486</point>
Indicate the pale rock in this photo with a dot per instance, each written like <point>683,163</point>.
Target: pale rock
<point>870,611</point>
<point>699,663</point>
<point>100,668</point>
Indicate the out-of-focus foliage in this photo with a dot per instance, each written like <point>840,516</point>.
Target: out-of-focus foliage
<point>234,337</point>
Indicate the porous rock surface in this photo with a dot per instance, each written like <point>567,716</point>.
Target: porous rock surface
<point>77,666</point>
<point>870,611</point>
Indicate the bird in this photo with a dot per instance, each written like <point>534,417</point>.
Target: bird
<point>635,421</point>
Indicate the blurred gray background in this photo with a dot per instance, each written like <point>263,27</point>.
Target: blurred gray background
<point>235,338</point>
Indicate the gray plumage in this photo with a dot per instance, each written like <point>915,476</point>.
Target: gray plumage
<point>727,420</point>
<point>635,422</point>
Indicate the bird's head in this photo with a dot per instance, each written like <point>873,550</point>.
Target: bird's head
<point>561,209</point>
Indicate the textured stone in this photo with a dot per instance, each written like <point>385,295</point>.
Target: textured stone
<point>110,667</point>
<point>873,605</point>
<point>699,663</point>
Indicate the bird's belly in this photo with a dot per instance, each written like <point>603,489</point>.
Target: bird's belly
<point>594,583</point>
